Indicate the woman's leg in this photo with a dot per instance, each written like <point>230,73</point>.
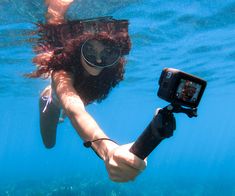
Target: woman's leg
<point>49,117</point>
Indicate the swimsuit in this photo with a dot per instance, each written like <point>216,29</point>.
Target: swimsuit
<point>52,98</point>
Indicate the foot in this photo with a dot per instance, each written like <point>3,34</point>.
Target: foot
<point>56,10</point>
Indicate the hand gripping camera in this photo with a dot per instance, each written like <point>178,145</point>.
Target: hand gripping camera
<point>184,92</point>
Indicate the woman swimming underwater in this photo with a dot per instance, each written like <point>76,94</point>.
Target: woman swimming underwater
<point>85,60</point>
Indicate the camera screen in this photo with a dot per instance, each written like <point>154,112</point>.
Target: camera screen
<point>188,91</point>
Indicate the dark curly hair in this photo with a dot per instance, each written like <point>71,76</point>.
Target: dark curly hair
<point>59,48</point>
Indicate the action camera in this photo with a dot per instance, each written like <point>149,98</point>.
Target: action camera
<point>180,88</point>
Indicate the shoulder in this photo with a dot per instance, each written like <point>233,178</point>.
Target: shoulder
<point>62,83</point>
<point>61,75</point>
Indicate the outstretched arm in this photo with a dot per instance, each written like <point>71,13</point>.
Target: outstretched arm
<point>121,165</point>
<point>56,10</point>
<point>72,104</point>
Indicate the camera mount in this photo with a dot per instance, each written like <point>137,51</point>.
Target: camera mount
<point>190,112</point>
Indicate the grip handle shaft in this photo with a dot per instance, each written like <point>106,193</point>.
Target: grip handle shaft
<point>146,142</point>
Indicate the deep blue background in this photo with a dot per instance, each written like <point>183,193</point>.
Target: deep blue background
<point>194,36</point>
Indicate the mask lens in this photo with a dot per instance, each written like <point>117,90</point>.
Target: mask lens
<point>110,54</point>
<point>100,53</point>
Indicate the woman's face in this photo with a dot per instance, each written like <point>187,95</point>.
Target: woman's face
<point>98,55</point>
<point>95,50</point>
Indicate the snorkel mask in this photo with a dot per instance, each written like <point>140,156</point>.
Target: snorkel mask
<point>100,53</point>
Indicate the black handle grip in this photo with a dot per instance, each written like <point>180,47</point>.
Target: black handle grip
<point>161,127</point>
<point>146,142</point>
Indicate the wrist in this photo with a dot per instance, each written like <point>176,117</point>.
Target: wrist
<point>102,146</point>
<point>108,147</point>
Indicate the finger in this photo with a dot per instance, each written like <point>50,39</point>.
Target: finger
<point>128,146</point>
<point>122,171</point>
<point>127,172</point>
<point>117,175</point>
<point>117,179</point>
<point>121,177</point>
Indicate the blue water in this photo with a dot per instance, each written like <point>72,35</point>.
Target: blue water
<point>195,36</point>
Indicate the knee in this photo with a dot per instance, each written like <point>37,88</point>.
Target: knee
<point>49,145</point>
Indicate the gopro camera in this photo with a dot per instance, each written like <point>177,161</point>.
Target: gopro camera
<point>180,88</point>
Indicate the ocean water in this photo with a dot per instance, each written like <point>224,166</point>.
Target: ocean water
<point>195,36</point>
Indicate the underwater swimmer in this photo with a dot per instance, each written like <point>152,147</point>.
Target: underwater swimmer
<point>85,60</point>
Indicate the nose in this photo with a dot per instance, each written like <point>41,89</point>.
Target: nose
<point>98,59</point>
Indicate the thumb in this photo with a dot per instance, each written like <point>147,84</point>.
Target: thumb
<point>128,147</point>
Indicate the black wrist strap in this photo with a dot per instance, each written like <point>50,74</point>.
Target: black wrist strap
<point>88,144</point>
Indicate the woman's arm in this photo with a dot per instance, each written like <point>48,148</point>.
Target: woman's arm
<point>121,164</point>
<point>56,10</point>
<point>84,124</point>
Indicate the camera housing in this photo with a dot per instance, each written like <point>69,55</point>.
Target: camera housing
<point>180,88</point>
